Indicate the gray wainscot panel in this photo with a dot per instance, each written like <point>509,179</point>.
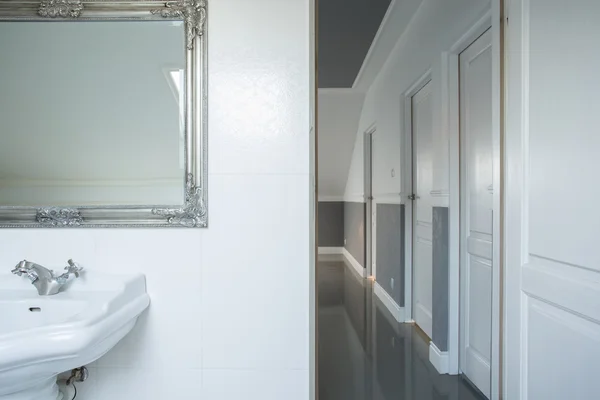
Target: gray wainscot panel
<point>331,224</point>
<point>390,250</point>
<point>354,230</point>
<point>440,278</point>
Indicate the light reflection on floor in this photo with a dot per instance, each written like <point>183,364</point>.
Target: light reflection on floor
<point>364,354</point>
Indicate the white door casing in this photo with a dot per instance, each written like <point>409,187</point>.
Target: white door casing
<point>552,278</point>
<point>422,139</point>
<point>373,241</point>
<point>476,244</point>
<point>369,137</point>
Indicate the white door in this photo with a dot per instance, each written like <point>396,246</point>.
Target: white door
<point>476,211</point>
<point>422,139</point>
<point>552,214</point>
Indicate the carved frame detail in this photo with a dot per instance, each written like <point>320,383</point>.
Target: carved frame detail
<point>193,211</point>
<point>193,13</point>
<point>60,8</point>
<point>55,216</point>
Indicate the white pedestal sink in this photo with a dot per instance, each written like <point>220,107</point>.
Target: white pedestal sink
<point>42,336</point>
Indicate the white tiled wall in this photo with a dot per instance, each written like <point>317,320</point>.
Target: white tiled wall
<point>229,317</point>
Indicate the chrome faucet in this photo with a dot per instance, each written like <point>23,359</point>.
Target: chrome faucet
<point>44,280</point>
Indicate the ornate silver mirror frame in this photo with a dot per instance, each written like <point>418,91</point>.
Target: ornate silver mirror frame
<point>193,212</point>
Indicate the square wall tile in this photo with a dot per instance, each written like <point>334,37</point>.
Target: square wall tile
<point>259,115</point>
<point>168,332</point>
<point>139,383</point>
<point>255,270</point>
<point>48,247</point>
<point>254,385</point>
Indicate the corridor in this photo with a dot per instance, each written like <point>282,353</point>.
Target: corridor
<point>364,354</point>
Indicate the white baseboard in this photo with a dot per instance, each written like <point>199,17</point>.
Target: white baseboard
<point>362,272</point>
<point>326,199</point>
<point>354,263</point>
<point>355,198</point>
<point>331,250</point>
<point>438,358</point>
<point>387,198</point>
<point>389,303</point>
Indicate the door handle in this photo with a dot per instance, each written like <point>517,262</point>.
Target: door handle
<point>412,196</point>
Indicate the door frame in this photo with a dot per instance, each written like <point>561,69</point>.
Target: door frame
<point>492,19</point>
<point>370,230</point>
<point>516,211</point>
<point>407,189</point>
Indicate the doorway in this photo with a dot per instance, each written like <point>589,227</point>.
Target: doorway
<point>476,211</point>
<point>422,180</point>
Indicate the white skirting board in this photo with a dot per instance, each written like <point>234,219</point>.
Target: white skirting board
<point>347,256</point>
<point>331,250</point>
<point>438,358</point>
<point>354,263</point>
<point>390,304</point>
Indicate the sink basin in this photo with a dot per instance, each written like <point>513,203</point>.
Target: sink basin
<point>43,336</point>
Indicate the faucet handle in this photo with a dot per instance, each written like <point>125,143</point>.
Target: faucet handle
<point>20,268</point>
<point>74,268</point>
<point>24,267</point>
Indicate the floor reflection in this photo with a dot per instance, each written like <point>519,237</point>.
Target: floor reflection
<point>364,354</point>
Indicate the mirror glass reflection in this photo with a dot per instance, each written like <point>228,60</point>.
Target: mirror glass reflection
<point>91,113</point>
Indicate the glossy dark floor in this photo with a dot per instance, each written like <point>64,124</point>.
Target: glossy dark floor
<point>364,354</point>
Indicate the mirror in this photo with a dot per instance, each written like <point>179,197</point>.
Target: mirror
<point>103,114</point>
<point>91,113</point>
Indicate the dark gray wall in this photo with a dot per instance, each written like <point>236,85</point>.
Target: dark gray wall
<point>331,224</point>
<point>390,249</point>
<point>346,30</point>
<point>354,230</point>
<point>440,278</point>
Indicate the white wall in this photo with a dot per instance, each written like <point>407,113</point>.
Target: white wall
<point>339,114</point>
<point>394,23</point>
<point>229,317</point>
<point>435,27</point>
